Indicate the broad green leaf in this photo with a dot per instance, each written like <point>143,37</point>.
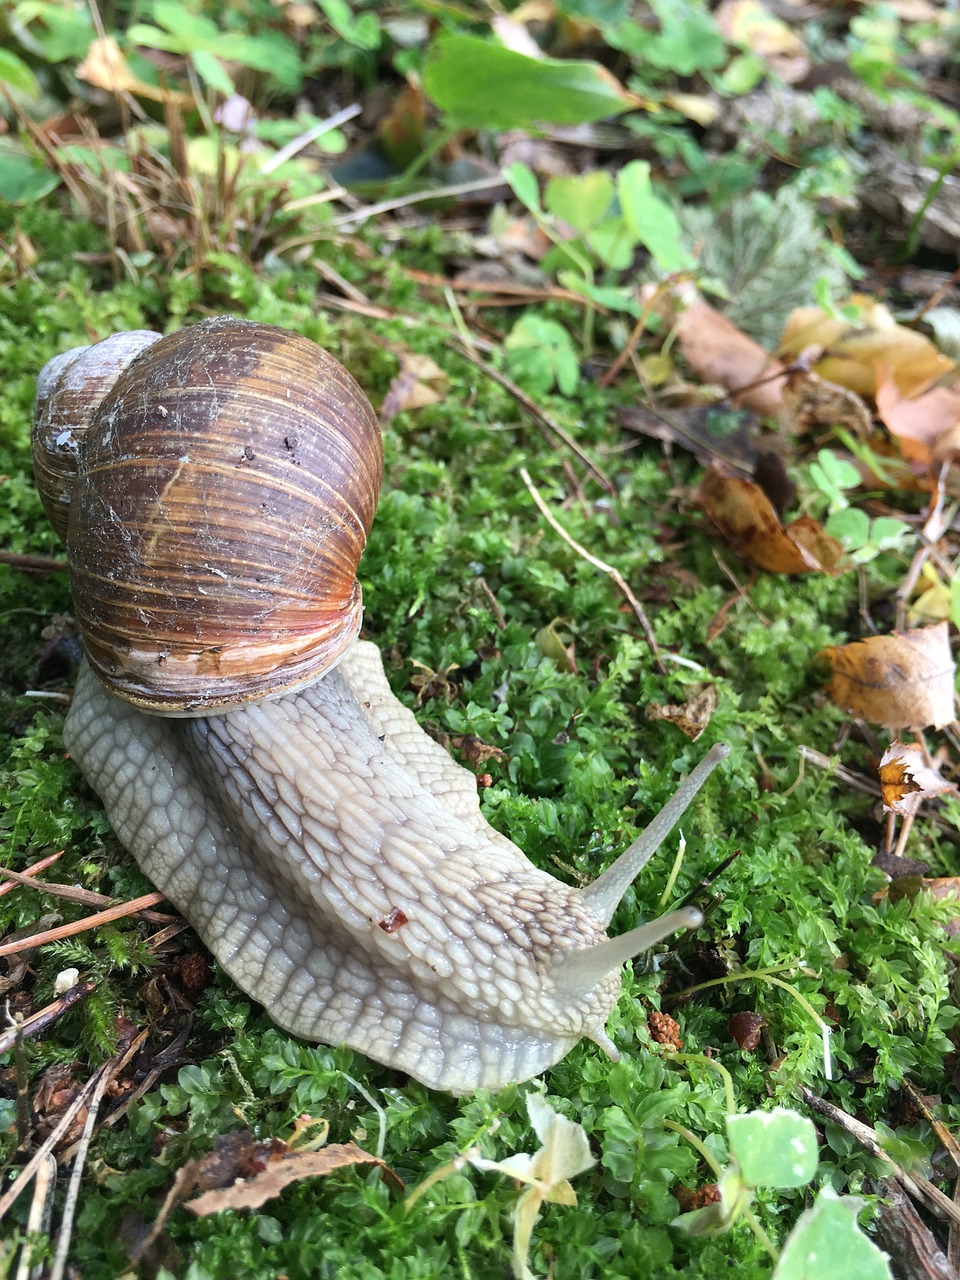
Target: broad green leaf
<point>524,184</point>
<point>480,85</point>
<point>827,1244</point>
<point>54,32</point>
<point>15,72</point>
<point>194,29</point>
<point>211,72</point>
<point>22,178</point>
<point>651,220</point>
<point>580,201</point>
<point>775,1148</point>
<point>851,526</point>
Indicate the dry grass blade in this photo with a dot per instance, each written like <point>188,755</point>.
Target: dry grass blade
<point>73,1187</point>
<point>602,565</point>
<point>28,1172</point>
<point>543,420</point>
<point>41,1212</point>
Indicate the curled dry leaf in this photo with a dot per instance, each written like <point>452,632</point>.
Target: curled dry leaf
<point>719,353</point>
<point>815,402</point>
<point>927,425</point>
<point>747,519</point>
<point>419,383</point>
<point>852,349</point>
<point>106,67</point>
<point>692,716</point>
<point>278,1173</point>
<point>902,680</point>
<point>906,779</point>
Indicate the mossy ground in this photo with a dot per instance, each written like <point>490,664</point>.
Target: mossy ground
<point>584,769</point>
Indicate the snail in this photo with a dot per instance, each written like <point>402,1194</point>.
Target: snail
<point>216,488</point>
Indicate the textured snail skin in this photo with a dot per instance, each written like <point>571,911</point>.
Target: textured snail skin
<point>292,832</point>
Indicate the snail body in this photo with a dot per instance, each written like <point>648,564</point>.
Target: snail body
<point>330,854</point>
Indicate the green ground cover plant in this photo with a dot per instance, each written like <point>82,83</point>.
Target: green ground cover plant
<point>493,625</point>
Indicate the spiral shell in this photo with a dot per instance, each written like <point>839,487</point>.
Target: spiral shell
<point>70,388</point>
<point>223,498</point>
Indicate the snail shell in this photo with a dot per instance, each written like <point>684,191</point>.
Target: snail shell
<point>225,489</point>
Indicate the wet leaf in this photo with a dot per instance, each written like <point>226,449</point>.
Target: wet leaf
<point>745,1028</point>
<point>902,680</point>
<point>747,519</point>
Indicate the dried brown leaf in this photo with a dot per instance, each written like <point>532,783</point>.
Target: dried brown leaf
<point>751,24</point>
<point>927,425</point>
<point>267,1184</point>
<point>815,402</point>
<point>852,349</point>
<point>747,519</point>
<point>717,350</point>
<point>906,779</point>
<point>902,680</point>
<point>692,716</point>
<point>105,66</point>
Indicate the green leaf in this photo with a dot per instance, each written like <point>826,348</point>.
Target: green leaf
<point>480,85</point>
<point>775,1148</point>
<point>211,72</point>
<point>15,72</point>
<point>652,221</point>
<point>524,183</point>
<point>195,30</point>
<point>827,1244</point>
<point>580,201</point>
<point>850,526</point>
<point>22,178</point>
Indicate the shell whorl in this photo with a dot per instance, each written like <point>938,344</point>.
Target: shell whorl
<point>223,496</point>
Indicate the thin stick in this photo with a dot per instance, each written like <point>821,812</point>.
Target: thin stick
<point>32,564</point>
<point>10,1197</point>
<point>45,1017</point>
<point>304,139</point>
<point>80,926</point>
<point>41,1211</point>
<point>541,418</point>
<point>614,574</point>
<point>73,1187</point>
<point>417,197</point>
<point>85,896</point>
<point>919,1187</point>
<point>33,870</point>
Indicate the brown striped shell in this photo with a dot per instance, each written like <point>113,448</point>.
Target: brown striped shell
<point>224,494</point>
<point>69,390</point>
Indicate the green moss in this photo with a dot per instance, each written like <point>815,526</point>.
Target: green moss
<point>583,769</point>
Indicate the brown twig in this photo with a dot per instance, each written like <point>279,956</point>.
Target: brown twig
<point>80,926</point>
<point>33,870</point>
<point>45,1017</point>
<point>84,896</point>
<point>920,1188</point>
<point>614,574</point>
<point>73,1186</point>
<point>540,417</point>
<point>33,564</point>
